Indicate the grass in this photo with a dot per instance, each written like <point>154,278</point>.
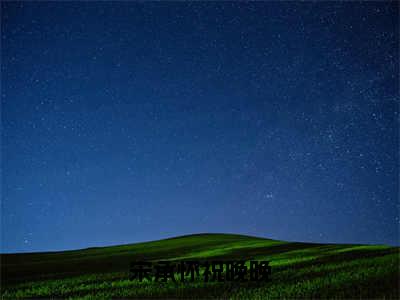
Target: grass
<point>299,270</point>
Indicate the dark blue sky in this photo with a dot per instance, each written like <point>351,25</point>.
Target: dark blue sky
<point>126,121</point>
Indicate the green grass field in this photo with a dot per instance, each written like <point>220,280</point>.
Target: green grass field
<point>299,270</point>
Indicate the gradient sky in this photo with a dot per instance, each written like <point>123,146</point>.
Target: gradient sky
<point>125,122</point>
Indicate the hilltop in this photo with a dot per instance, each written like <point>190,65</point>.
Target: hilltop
<point>298,269</point>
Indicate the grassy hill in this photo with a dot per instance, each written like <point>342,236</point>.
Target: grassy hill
<point>299,270</point>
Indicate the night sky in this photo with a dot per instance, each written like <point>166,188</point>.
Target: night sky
<point>125,122</point>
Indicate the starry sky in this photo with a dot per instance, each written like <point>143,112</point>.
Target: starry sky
<point>129,121</point>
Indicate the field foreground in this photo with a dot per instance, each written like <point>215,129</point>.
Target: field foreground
<point>299,270</point>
